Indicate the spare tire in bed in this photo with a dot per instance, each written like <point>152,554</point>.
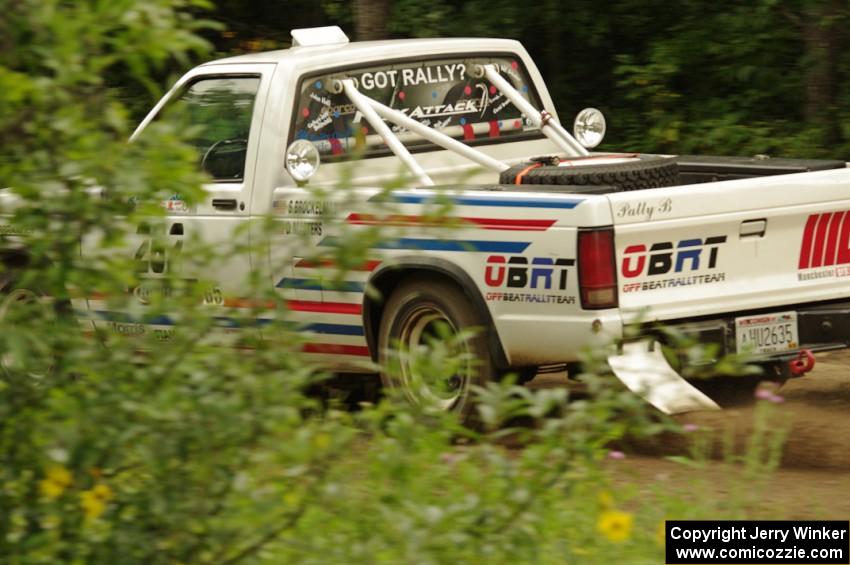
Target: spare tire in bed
<point>639,172</point>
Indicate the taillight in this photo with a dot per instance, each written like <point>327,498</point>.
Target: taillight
<point>597,273</point>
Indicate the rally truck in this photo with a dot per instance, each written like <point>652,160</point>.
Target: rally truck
<point>542,246</point>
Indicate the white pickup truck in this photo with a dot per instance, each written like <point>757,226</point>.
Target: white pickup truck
<point>550,249</point>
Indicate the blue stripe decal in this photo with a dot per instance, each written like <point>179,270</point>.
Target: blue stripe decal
<point>227,322</point>
<point>126,318</point>
<point>504,202</point>
<point>443,245</point>
<point>312,284</point>
<point>338,329</point>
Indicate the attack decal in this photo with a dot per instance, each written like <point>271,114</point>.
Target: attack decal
<point>825,249</point>
<point>515,273</point>
<point>689,261</point>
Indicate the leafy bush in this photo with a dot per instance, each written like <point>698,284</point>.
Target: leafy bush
<point>190,451</point>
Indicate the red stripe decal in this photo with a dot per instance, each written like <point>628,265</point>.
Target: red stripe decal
<point>370,265</point>
<point>518,225</point>
<point>844,242</point>
<point>335,349</point>
<point>468,132</point>
<point>494,128</point>
<point>806,249</point>
<point>832,238</point>
<point>485,223</point>
<point>249,303</point>
<point>820,239</point>
<point>324,307</point>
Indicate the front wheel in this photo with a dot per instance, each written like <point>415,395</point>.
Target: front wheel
<point>26,350</point>
<point>434,346</point>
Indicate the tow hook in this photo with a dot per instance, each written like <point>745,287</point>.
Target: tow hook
<point>804,363</point>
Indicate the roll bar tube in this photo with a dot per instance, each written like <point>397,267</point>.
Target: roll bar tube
<point>541,118</point>
<point>361,102</point>
<point>437,137</point>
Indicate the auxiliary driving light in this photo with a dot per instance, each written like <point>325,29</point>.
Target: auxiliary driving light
<point>589,127</point>
<point>302,159</point>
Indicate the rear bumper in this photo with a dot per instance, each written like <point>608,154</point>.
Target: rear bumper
<point>822,327</point>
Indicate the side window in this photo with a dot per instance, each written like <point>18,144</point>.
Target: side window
<point>438,93</point>
<point>217,113</point>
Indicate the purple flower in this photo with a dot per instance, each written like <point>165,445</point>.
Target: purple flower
<point>776,399</point>
<point>769,395</point>
<point>690,428</point>
<point>616,455</point>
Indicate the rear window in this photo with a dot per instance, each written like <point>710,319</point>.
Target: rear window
<point>439,93</point>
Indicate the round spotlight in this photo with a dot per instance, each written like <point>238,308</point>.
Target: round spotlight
<point>302,159</point>
<point>589,127</point>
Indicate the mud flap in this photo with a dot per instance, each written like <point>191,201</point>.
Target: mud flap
<point>643,369</point>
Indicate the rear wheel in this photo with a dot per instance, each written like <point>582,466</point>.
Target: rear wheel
<point>434,346</point>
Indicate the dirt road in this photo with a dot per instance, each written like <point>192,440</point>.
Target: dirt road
<point>813,480</point>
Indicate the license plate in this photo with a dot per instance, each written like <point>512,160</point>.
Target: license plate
<point>767,333</point>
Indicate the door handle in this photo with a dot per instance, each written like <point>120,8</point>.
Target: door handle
<point>224,203</point>
<point>753,228</point>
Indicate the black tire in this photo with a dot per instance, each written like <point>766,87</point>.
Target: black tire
<point>645,171</point>
<point>424,310</point>
<point>523,374</point>
<point>18,304</point>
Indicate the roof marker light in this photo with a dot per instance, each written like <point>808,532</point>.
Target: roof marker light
<point>315,36</point>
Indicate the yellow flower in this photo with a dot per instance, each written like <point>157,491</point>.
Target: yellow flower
<point>322,440</point>
<point>50,490</point>
<point>661,533</point>
<point>61,475</point>
<point>615,525</point>
<point>92,505</point>
<point>102,491</point>
<point>58,479</point>
<point>93,502</point>
<point>291,500</point>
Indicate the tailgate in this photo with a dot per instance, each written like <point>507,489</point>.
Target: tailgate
<point>733,246</point>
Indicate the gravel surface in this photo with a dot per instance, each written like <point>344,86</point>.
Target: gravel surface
<point>813,480</point>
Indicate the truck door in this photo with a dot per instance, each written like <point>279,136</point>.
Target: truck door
<point>223,105</point>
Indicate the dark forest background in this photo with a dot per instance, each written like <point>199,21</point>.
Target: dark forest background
<point>690,76</point>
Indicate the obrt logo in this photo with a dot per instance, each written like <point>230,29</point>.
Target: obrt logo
<point>515,272</point>
<point>664,257</point>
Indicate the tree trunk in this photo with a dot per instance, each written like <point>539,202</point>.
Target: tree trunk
<point>370,19</point>
<point>822,28</point>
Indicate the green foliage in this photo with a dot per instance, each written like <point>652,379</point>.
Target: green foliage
<point>192,452</point>
<point>687,77</point>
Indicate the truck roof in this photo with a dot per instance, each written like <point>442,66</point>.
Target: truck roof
<point>342,53</point>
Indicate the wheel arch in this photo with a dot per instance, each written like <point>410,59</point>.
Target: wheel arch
<point>389,274</point>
